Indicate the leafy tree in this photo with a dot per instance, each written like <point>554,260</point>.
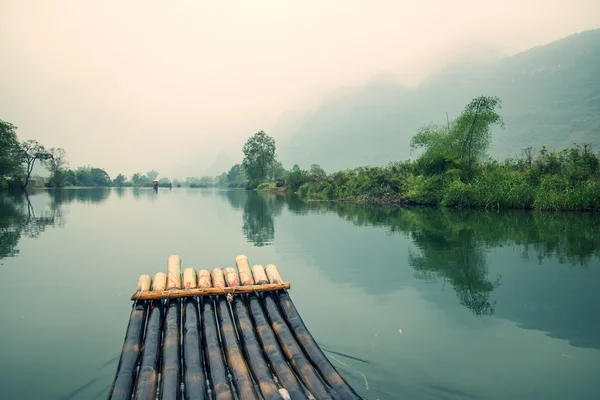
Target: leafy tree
<point>277,171</point>
<point>100,177</point>
<point>192,180</point>
<point>473,128</point>
<point>58,166</point>
<point>259,157</point>
<point>10,152</point>
<point>164,181</point>
<point>206,181</point>
<point>234,172</point>
<point>221,180</point>
<point>317,172</point>
<point>528,154</point>
<point>152,175</point>
<point>32,151</point>
<point>119,180</point>
<point>460,143</point>
<point>236,177</point>
<point>139,179</point>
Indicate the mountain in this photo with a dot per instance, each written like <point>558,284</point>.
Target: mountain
<point>550,94</point>
<point>223,163</point>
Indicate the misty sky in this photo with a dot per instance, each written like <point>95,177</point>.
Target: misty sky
<point>135,85</point>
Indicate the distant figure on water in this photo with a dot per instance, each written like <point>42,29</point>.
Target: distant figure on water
<point>155,185</point>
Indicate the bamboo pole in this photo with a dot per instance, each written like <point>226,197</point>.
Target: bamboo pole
<point>148,375</point>
<point>254,354</point>
<point>189,278</point>
<point>174,272</point>
<point>215,365</point>
<point>258,271</point>
<point>202,291</point>
<point>204,279</point>
<point>233,353</point>
<point>171,349</point>
<point>308,343</point>
<point>293,352</point>
<point>130,354</point>
<point>193,367</point>
<point>269,343</point>
<point>243,267</point>
<point>290,347</point>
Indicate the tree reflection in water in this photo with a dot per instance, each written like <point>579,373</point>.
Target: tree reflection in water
<point>19,218</point>
<point>452,245</point>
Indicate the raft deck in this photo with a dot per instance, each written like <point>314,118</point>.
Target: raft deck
<point>223,334</point>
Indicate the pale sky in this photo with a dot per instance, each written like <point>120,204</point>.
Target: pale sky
<point>137,85</point>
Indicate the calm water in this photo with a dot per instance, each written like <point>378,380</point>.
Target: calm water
<point>491,305</point>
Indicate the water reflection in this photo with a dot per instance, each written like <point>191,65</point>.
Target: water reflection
<point>259,218</point>
<point>456,257</point>
<point>260,210</point>
<point>86,195</point>
<point>569,237</point>
<point>18,218</point>
<point>141,192</point>
<point>451,245</point>
<point>236,198</point>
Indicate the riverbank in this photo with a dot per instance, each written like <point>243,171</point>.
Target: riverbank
<point>564,181</point>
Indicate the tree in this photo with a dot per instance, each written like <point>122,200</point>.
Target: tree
<point>58,166</point>
<point>139,179</point>
<point>206,181</point>
<point>10,152</point>
<point>152,175</point>
<point>234,172</point>
<point>473,127</point>
<point>119,180</point>
<point>32,151</point>
<point>528,154</point>
<point>221,180</point>
<point>83,177</point>
<point>317,172</point>
<point>463,141</point>
<point>164,182</point>
<point>100,177</point>
<point>277,171</point>
<point>259,156</point>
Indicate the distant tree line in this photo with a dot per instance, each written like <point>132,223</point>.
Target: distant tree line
<point>452,170</point>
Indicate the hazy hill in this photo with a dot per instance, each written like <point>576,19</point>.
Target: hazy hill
<point>551,97</point>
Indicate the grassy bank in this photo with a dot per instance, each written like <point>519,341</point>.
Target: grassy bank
<point>566,180</point>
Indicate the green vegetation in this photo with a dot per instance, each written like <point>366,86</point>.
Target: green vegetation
<point>260,161</point>
<point>452,171</point>
<point>17,160</point>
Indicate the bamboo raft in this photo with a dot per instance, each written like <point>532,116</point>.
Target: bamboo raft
<point>223,335</point>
